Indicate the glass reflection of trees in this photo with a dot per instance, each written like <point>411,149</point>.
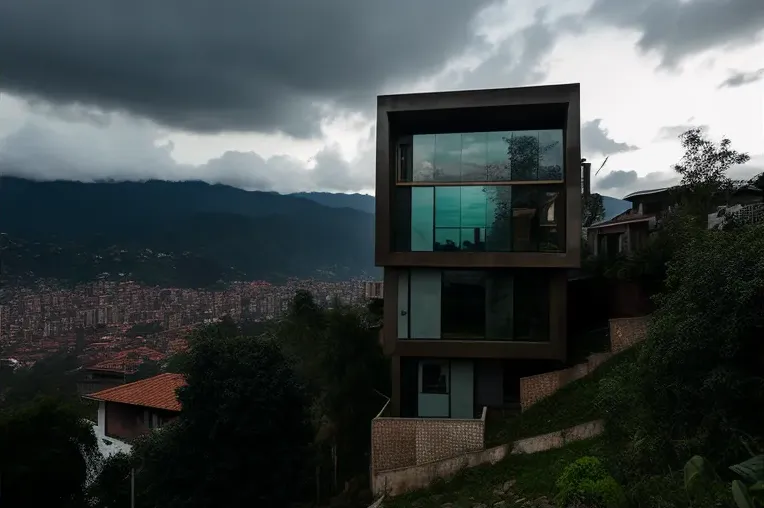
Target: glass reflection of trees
<point>487,157</point>
<point>494,218</point>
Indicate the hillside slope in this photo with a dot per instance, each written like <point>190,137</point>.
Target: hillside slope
<point>177,233</point>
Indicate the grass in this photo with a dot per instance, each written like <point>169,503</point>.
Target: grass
<point>534,477</point>
<point>571,405</point>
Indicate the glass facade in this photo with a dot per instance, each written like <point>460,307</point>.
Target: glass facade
<point>484,157</point>
<point>475,304</point>
<point>480,218</point>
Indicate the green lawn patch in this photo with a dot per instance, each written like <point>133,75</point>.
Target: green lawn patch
<point>532,476</point>
<point>571,405</point>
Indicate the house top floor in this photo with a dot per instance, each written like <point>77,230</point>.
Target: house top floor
<point>486,171</point>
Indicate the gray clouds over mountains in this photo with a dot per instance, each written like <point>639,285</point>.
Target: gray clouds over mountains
<point>106,82</point>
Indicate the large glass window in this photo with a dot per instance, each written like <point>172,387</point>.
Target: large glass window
<point>483,157</point>
<point>496,218</point>
<point>481,305</point>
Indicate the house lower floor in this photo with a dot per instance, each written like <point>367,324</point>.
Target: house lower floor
<point>459,388</point>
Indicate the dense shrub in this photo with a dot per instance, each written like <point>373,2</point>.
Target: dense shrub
<point>699,373</point>
<point>587,482</point>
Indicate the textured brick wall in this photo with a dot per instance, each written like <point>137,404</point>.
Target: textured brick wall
<point>400,481</point>
<point>405,442</point>
<point>540,386</point>
<point>626,332</point>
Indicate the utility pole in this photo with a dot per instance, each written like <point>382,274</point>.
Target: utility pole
<point>132,488</point>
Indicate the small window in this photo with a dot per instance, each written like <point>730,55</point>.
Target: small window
<point>434,378</point>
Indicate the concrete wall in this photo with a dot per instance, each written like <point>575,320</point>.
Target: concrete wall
<point>126,422</point>
<point>399,481</point>
<point>624,333</point>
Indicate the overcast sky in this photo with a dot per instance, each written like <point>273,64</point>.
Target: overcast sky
<point>280,95</point>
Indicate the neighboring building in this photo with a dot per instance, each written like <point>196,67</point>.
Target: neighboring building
<point>131,410</point>
<point>478,220</point>
<point>95,379</point>
<point>373,290</point>
<point>629,231</point>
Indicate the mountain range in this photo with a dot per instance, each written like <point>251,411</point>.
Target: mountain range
<point>180,233</point>
<point>185,234</point>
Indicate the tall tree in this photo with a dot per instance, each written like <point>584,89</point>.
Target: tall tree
<point>593,210</point>
<point>704,167</point>
<point>243,436</point>
<point>46,451</point>
<point>337,352</point>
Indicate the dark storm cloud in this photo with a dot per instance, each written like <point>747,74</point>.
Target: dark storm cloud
<point>620,183</point>
<point>208,66</point>
<point>742,78</point>
<point>519,59</point>
<point>129,152</point>
<point>679,28</point>
<point>617,179</point>
<point>672,132</point>
<point>596,140</point>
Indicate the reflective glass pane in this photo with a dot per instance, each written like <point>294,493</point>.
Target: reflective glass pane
<point>499,312</point>
<point>531,307</point>
<point>498,167</point>
<point>499,218</point>
<point>474,157</point>
<point>473,239</point>
<point>447,239</point>
<point>524,155</point>
<point>422,205</point>
<point>552,155</point>
<point>448,157</point>
<point>493,218</point>
<point>463,304</point>
<point>473,207</point>
<point>423,165</point>
<point>448,207</point>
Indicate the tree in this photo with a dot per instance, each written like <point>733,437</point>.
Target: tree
<point>593,210</point>
<point>704,168</point>
<point>243,436</point>
<point>337,353</point>
<point>698,377</point>
<point>111,488</point>
<point>54,376</point>
<point>46,450</point>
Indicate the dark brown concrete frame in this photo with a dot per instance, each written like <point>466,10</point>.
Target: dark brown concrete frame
<point>385,176</point>
<point>554,349</point>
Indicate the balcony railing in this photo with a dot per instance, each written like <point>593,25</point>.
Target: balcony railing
<point>404,442</point>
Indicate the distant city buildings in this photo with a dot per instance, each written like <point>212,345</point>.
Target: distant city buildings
<point>102,319</point>
<point>373,290</point>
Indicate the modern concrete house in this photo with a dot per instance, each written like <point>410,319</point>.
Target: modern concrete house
<point>478,220</point>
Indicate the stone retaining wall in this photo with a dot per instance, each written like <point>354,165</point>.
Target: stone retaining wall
<point>624,333</point>
<point>404,442</point>
<point>399,481</point>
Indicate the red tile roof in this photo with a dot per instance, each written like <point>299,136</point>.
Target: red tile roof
<point>157,392</point>
<point>129,361</point>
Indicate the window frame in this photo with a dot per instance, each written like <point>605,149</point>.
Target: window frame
<point>445,366</point>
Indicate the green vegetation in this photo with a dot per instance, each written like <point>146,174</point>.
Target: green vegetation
<point>529,476</point>
<point>572,405</point>
<point>45,450</point>
<point>587,482</point>
<point>182,234</point>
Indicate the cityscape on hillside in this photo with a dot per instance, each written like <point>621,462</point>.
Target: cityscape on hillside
<point>116,325</point>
